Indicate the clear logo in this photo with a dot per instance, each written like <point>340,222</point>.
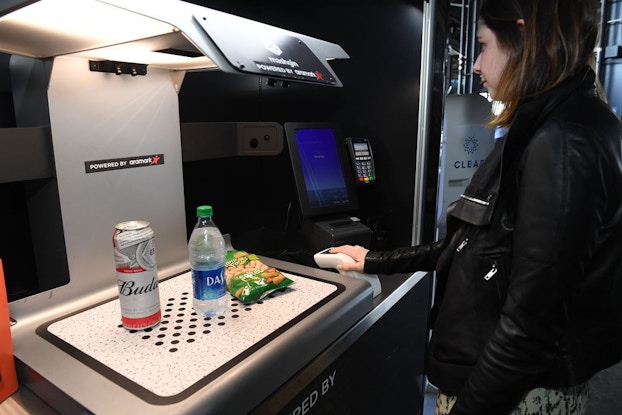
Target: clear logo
<point>470,145</point>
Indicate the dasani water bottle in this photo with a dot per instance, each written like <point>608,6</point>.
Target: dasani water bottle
<point>206,249</point>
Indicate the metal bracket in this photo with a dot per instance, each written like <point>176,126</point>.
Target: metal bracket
<point>118,68</point>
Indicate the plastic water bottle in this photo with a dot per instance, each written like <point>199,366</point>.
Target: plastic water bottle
<point>206,249</point>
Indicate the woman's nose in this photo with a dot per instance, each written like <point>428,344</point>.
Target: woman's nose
<point>476,65</point>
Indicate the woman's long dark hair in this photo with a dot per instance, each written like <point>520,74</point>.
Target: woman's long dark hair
<point>556,41</point>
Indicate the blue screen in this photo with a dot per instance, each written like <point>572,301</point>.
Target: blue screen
<point>321,167</point>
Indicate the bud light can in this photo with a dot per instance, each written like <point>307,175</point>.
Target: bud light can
<point>135,260</point>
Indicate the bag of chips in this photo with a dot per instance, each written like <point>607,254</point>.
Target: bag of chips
<point>249,279</point>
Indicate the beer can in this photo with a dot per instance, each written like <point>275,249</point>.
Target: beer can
<point>135,260</point>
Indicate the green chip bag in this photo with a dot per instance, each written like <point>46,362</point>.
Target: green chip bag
<point>249,279</point>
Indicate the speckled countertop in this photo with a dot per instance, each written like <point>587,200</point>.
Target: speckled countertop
<point>184,348</point>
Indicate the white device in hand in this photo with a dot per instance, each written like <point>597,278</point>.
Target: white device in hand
<point>325,259</point>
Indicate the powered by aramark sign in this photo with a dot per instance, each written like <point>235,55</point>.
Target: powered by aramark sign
<point>97,166</point>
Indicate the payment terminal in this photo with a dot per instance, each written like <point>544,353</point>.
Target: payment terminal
<point>362,161</point>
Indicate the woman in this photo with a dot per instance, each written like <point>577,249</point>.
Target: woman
<point>529,276</point>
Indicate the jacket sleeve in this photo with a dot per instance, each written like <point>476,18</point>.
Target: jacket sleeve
<point>408,259</point>
<point>561,203</point>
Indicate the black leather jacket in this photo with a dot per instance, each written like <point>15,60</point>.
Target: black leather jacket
<point>529,277</point>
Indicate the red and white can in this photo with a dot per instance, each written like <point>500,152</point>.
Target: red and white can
<point>135,259</point>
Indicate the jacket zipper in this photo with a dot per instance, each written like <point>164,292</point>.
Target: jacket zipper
<point>462,245</point>
<point>493,269</point>
<point>492,272</point>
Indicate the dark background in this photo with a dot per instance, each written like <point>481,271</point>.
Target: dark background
<point>379,101</point>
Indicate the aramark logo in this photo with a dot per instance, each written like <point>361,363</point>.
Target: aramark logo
<point>123,163</point>
<point>271,46</point>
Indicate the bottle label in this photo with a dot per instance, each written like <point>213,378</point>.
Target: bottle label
<point>209,284</point>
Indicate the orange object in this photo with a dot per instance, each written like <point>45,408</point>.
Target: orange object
<point>8,377</point>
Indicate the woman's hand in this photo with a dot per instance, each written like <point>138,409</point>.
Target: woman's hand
<point>355,252</point>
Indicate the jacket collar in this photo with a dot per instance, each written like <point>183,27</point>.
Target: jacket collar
<point>534,111</point>
<point>476,205</point>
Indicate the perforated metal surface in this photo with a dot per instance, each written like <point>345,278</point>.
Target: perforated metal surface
<point>184,349</point>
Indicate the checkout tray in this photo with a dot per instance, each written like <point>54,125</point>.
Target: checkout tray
<point>189,363</point>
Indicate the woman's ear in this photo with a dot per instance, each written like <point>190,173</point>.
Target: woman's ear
<point>521,24</point>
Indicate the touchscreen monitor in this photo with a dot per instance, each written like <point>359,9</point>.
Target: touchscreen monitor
<point>324,181</point>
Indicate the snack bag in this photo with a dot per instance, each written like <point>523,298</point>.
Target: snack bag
<point>249,279</point>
